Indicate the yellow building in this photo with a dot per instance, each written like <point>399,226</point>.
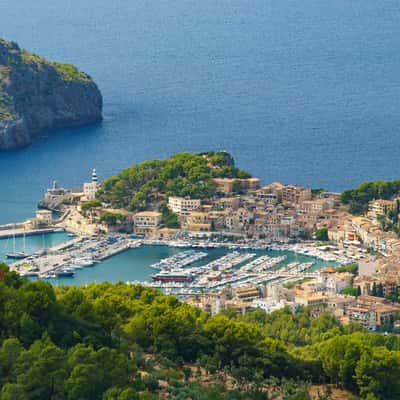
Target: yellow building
<point>147,221</point>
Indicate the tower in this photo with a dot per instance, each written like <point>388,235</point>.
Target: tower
<point>94,175</point>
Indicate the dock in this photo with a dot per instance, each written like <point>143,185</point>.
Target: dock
<point>9,231</point>
<point>65,259</point>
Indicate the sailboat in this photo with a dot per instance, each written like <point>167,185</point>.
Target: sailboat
<point>17,255</point>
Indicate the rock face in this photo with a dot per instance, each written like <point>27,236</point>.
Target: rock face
<point>37,96</point>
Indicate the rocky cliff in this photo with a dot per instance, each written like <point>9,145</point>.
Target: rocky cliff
<point>37,96</point>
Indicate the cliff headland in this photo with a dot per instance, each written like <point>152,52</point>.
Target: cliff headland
<point>37,96</point>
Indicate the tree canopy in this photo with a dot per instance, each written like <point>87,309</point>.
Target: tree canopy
<point>357,199</point>
<point>183,174</point>
<point>115,341</point>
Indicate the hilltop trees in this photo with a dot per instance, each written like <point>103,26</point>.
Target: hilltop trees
<point>357,199</point>
<point>183,174</point>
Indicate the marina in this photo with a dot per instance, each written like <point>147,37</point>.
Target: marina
<point>85,259</point>
<point>64,260</point>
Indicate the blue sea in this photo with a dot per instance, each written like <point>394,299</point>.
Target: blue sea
<point>300,92</point>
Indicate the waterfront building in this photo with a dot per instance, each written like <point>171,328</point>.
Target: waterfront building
<point>90,188</point>
<point>55,197</point>
<point>198,221</point>
<point>147,221</point>
<point>43,219</point>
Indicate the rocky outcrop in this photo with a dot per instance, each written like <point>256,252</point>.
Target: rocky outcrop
<point>38,96</point>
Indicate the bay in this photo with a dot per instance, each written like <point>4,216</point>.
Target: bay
<point>300,92</point>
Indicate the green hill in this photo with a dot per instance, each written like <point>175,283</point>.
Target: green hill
<point>184,174</point>
<point>37,95</point>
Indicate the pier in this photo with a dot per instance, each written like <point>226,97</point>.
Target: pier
<point>9,231</point>
<point>64,259</point>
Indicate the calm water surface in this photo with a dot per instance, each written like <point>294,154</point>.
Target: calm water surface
<point>301,92</point>
<point>135,264</point>
<point>31,244</point>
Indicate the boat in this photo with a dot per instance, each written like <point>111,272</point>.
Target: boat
<point>18,255</point>
<point>63,273</point>
<point>175,276</point>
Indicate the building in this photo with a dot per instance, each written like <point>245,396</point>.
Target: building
<point>317,207</point>
<point>292,194</point>
<point>379,207</point>
<point>270,305</point>
<point>373,312</point>
<point>90,188</point>
<point>227,185</point>
<point>146,221</point>
<point>55,197</point>
<point>183,205</point>
<point>43,219</point>
<point>198,221</point>
<point>246,293</point>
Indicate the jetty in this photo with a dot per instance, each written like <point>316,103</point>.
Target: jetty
<point>65,259</point>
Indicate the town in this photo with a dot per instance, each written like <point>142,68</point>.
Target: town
<point>361,285</point>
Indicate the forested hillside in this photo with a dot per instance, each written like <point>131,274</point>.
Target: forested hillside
<point>183,174</point>
<point>357,199</point>
<point>113,341</point>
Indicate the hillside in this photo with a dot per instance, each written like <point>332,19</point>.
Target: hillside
<point>120,342</point>
<point>358,198</point>
<point>37,96</point>
<point>184,174</point>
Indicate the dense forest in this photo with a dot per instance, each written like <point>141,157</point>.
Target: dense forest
<point>114,341</point>
<point>183,174</point>
<point>357,199</point>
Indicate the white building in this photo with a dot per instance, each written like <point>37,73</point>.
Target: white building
<point>90,188</point>
<point>269,305</point>
<point>183,205</point>
<point>45,217</point>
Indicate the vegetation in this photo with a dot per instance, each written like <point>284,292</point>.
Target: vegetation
<point>322,234</point>
<point>352,291</point>
<point>169,218</point>
<point>184,174</point>
<point>89,205</point>
<point>352,268</point>
<point>357,199</point>
<point>316,192</point>
<point>69,72</point>
<point>111,218</point>
<point>6,108</point>
<point>106,341</point>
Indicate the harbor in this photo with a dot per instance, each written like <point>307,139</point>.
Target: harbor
<point>63,260</point>
<point>176,267</point>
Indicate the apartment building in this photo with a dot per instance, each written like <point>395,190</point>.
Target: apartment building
<point>183,205</point>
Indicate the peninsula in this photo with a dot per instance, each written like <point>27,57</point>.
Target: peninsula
<point>37,96</point>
